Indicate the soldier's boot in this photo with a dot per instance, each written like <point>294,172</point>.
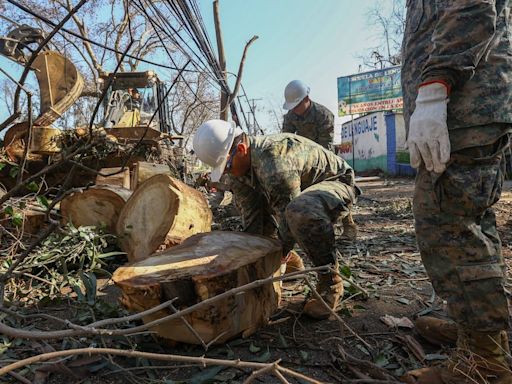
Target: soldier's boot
<point>437,331</point>
<point>330,288</point>
<point>479,358</point>
<point>349,227</point>
<point>293,262</point>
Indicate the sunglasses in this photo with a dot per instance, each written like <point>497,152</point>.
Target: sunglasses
<point>230,160</point>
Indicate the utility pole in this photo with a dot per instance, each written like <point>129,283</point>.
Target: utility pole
<point>222,61</point>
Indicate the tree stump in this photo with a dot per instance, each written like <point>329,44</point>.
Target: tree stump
<point>120,179</point>
<point>144,170</point>
<point>161,213</point>
<point>99,206</point>
<point>203,266</point>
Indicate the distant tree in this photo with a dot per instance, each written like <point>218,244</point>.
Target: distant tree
<point>387,18</point>
<point>121,26</point>
<point>114,23</point>
<point>192,101</point>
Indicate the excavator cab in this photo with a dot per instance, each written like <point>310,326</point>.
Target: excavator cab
<point>134,106</point>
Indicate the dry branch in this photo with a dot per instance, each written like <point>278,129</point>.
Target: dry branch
<point>93,329</point>
<point>203,361</point>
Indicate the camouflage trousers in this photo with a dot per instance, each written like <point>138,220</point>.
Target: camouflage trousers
<point>456,233</point>
<point>311,217</point>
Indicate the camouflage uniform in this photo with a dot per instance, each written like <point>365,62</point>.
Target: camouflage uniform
<point>466,44</point>
<point>316,124</point>
<point>299,188</point>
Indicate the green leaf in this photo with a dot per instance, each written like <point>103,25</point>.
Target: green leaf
<point>33,186</point>
<point>9,210</point>
<point>17,219</point>
<point>43,201</point>
<point>381,360</point>
<point>13,172</point>
<point>253,348</point>
<point>78,292</point>
<point>2,166</point>
<point>345,271</point>
<point>303,355</point>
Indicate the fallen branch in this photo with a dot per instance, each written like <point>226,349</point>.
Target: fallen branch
<point>93,329</point>
<point>203,361</point>
<point>333,312</point>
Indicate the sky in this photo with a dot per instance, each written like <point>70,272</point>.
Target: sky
<point>315,41</point>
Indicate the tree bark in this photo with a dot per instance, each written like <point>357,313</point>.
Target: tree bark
<point>161,213</point>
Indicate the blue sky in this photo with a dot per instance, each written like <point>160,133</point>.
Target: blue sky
<point>315,41</point>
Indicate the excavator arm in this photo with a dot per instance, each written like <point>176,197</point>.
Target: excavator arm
<point>60,83</point>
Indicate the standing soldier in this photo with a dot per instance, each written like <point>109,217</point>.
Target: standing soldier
<point>305,117</point>
<point>457,84</point>
<point>289,183</point>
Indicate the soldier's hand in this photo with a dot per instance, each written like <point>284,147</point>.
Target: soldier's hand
<point>428,139</point>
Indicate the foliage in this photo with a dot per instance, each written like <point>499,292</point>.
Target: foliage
<point>60,263</point>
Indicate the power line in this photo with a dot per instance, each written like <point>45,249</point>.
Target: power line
<point>51,23</point>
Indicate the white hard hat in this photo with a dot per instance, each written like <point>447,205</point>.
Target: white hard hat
<point>294,93</point>
<point>212,142</point>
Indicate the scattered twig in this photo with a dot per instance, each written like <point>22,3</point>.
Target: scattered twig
<point>93,329</point>
<point>333,312</point>
<point>203,361</point>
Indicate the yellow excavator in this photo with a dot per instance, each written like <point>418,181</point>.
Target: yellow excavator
<point>134,106</point>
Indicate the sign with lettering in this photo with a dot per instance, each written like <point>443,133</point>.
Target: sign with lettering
<point>378,90</point>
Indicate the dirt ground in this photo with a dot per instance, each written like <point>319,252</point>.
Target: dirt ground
<point>384,260</point>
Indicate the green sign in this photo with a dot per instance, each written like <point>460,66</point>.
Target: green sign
<point>373,91</point>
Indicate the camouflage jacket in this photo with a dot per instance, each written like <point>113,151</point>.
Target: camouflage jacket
<point>317,124</point>
<point>467,44</point>
<point>282,166</point>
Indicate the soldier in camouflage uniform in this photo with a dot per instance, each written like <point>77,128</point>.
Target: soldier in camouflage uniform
<point>289,183</point>
<point>457,86</point>
<point>305,117</point>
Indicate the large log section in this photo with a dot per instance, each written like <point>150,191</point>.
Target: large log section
<point>162,212</point>
<point>99,205</point>
<point>204,266</point>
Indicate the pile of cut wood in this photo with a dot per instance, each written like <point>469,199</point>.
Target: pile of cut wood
<point>164,226</point>
<point>148,210</point>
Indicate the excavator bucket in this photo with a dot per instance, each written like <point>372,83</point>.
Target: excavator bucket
<point>60,86</point>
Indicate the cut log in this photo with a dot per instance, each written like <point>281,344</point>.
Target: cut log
<point>203,266</point>
<point>33,221</point>
<point>120,179</point>
<point>162,212</point>
<point>144,171</point>
<point>98,206</point>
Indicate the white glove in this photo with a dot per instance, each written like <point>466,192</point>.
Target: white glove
<point>428,132</point>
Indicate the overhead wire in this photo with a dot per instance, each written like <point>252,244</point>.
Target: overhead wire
<point>77,35</point>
